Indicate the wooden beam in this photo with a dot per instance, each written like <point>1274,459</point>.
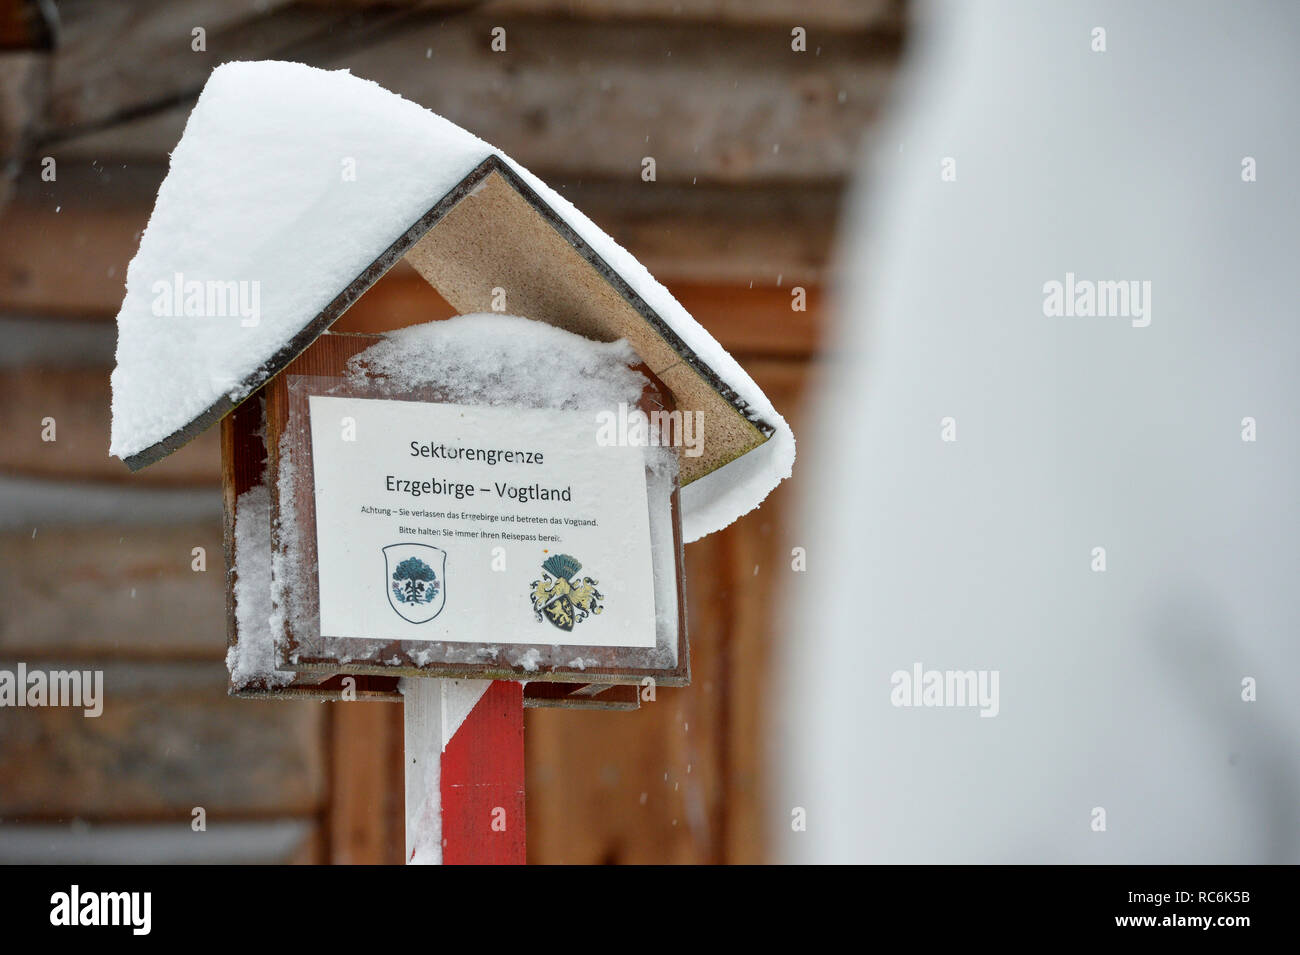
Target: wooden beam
<point>366,745</point>
<point>833,14</point>
<point>709,240</point>
<point>714,233</point>
<point>79,402</point>
<point>23,94</point>
<point>168,740</point>
<point>97,77</point>
<point>758,321</point>
<point>270,842</point>
<point>65,246</point>
<point>757,551</point>
<point>112,593</point>
<point>63,250</point>
<point>709,101</point>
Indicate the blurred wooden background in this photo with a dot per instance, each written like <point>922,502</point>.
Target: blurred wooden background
<point>753,144</point>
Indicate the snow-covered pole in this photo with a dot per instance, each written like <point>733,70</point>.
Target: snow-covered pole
<point>464,758</point>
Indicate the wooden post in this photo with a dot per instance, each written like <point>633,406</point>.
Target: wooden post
<point>464,757</point>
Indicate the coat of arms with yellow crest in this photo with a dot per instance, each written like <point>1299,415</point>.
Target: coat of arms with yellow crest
<point>561,597</point>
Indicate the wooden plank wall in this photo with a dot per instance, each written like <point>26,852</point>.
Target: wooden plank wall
<point>753,144</point>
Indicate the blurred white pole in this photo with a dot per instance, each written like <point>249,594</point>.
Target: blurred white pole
<point>1101,508</point>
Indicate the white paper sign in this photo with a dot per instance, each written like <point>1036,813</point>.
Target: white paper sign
<point>467,524</point>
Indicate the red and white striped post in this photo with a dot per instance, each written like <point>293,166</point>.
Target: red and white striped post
<point>464,753</point>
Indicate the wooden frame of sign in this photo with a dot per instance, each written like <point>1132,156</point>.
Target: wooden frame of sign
<point>244,466</point>
<point>320,371</point>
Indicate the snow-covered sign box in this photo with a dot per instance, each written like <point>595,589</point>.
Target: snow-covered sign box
<point>291,192</point>
<point>485,497</point>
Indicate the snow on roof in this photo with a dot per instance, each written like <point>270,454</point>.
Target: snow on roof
<point>288,182</point>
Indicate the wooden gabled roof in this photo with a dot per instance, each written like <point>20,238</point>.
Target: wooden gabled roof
<point>493,223</point>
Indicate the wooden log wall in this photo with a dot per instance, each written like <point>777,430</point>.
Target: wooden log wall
<point>753,143</point>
